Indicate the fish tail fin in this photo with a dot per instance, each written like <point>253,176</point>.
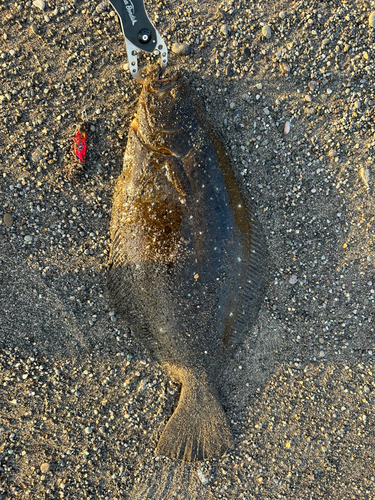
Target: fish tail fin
<point>198,428</point>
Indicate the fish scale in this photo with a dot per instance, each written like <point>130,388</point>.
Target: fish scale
<point>187,258</point>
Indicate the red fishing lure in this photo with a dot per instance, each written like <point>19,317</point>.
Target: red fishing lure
<point>72,169</point>
<point>80,143</point>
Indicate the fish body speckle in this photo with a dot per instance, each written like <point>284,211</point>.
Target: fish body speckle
<point>186,261</point>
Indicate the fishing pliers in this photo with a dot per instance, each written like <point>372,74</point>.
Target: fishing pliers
<point>140,34</point>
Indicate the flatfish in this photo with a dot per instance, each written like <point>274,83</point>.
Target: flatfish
<point>186,265</point>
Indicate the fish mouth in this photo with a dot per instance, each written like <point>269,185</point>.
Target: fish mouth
<point>158,86</point>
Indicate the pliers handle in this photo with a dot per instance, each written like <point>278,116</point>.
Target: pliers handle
<point>140,34</point>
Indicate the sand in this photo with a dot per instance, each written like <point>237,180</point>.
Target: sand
<point>290,86</point>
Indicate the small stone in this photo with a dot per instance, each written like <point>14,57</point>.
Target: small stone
<point>285,68</point>
<point>282,14</point>
<point>44,468</point>
<point>229,70</point>
<point>266,31</point>
<point>36,156</point>
<point>88,430</point>
<point>12,52</point>
<point>371,20</point>
<point>246,52</point>
<point>236,115</point>
<point>74,210</point>
<point>287,128</point>
<point>313,85</point>
<point>293,279</point>
<point>28,238</point>
<point>259,86</point>
<point>305,73</point>
<point>181,49</point>
<point>224,29</point>
<point>8,220</point>
<point>202,478</point>
<point>101,7</point>
<point>34,29</point>
<point>39,4</point>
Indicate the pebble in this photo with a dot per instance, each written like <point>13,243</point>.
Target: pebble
<point>8,220</point>
<point>202,477</point>
<point>313,85</point>
<point>88,430</point>
<point>293,279</point>
<point>36,156</point>
<point>282,14</point>
<point>224,29</point>
<point>266,31</point>
<point>181,49</point>
<point>39,4</point>
<point>371,20</point>
<point>287,128</point>
<point>34,29</point>
<point>364,173</point>
<point>101,7</point>
<point>285,68</point>
<point>246,52</point>
<point>28,238</point>
<point>44,468</point>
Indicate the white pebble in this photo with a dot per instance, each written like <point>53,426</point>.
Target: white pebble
<point>287,128</point>
<point>39,4</point>
<point>266,31</point>
<point>364,173</point>
<point>293,279</point>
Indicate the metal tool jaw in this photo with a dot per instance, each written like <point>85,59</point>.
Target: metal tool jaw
<point>140,34</point>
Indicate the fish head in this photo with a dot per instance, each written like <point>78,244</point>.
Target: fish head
<point>159,123</point>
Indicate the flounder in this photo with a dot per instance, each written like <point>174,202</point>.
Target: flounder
<point>186,266</point>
